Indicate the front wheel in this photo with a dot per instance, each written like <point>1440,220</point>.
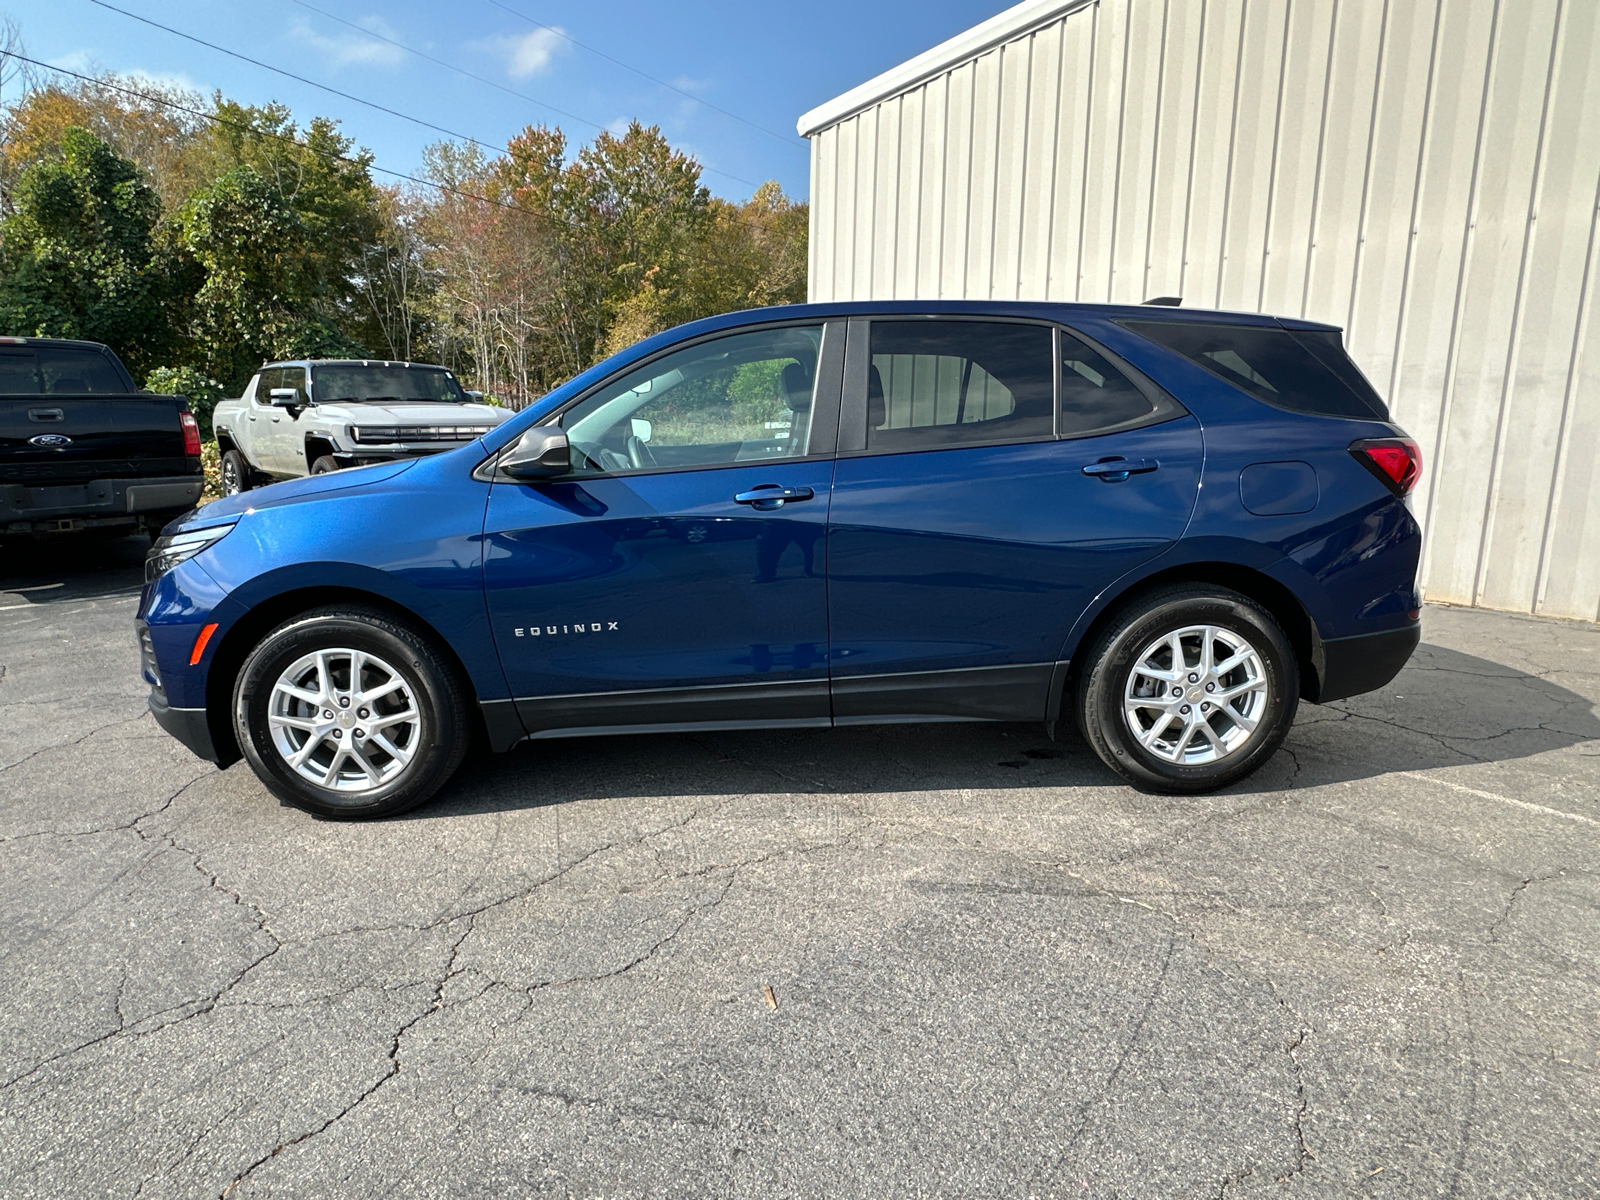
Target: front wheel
<point>347,712</point>
<point>325,465</point>
<point>1189,690</point>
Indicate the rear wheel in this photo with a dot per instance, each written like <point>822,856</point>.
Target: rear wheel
<point>235,473</point>
<point>325,465</point>
<point>347,713</point>
<point>1189,690</point>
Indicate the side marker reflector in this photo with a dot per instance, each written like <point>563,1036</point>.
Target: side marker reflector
<point>200,644</point>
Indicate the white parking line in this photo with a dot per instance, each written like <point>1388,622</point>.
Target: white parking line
<point>1482,795</point>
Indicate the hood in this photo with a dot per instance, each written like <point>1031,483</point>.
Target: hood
<point>417,412</point>
<point>294,490</point>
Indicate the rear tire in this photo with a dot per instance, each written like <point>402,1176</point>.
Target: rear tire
<point>236,475</point>
<point>1187,727</point>
<point>325,465</point>
<point>348,713</point>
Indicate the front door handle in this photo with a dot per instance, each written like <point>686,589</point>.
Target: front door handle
<point>765,497</point>
<point>1115,470</point>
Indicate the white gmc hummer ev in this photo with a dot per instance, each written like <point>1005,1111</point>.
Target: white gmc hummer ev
<point>315,415</point>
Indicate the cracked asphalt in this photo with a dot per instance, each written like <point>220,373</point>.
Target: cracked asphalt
<point>1369,971</point>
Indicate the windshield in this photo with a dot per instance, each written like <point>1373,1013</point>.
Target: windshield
<point>377,381</point>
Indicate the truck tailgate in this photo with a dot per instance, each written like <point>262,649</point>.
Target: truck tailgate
<point>50,439</point>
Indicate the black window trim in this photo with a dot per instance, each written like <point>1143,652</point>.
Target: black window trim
<point>824,415</point>
<point>858,359</point>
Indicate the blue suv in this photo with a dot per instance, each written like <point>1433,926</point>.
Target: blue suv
<point>1167,525</point>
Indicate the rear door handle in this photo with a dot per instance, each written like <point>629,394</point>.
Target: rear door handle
<point>767,496</point>
<point>1115,470</point>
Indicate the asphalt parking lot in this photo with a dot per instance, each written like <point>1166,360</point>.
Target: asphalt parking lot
<point>994,971</point>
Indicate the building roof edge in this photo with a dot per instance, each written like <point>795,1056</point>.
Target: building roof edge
<point>1002,27</point>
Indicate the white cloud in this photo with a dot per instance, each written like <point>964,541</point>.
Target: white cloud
<point>685,83</point>
<point>525,55</point>
<point>175,80</point>
<point>345,49</point>
<point>78,60</point>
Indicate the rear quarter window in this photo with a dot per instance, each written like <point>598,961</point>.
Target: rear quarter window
<point>1300,370</point>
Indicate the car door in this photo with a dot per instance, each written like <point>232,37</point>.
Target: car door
<point>260,419</point>
<point>676,577</point>
<point>286,442</point>
<point>993,477</point>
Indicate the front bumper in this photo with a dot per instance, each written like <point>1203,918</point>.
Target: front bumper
<point>1352,665</point>
<point>26,509</point>
<point>191,726</point>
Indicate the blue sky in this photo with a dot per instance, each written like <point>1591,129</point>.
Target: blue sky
<point>765,62</point>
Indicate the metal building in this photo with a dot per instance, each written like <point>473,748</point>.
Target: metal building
<point>1424,173</point>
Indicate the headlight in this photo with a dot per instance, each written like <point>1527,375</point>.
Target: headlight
<point>180,547</point>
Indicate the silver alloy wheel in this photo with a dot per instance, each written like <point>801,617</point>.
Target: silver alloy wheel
<point>344,719</point>
<point>1196,695</point>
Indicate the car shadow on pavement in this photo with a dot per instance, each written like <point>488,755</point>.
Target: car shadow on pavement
<point>71,568</point>
<point>1446,708</point>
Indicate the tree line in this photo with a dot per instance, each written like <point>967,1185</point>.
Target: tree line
<point>198,237</point>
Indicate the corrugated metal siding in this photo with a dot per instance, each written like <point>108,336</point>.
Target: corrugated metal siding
<point>1425,173</point>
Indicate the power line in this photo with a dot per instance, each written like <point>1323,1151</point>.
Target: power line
<point>782,137</point>
<point>281,137</point>
<point>484,79</point>
<point>256,62</point>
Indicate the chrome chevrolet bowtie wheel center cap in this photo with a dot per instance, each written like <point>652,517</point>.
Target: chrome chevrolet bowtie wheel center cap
<point>314,704</point>
<point>1165,716</point>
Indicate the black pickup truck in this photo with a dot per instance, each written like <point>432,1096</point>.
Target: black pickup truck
<point>81,448</point>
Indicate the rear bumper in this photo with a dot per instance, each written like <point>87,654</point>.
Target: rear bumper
<point>1352,665</point>
<point>48,509</point>
<point>189,725</point>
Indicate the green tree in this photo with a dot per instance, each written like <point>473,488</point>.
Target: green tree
<point>279,236</point>
<point>79,256</point>
<point>623,220</point>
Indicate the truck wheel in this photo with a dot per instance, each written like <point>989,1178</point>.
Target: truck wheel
<point>1189,690</point>
<point>235,473</point>
<point>327,463</point>
<point>347,713</point>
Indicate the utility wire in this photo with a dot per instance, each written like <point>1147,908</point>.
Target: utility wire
<point>150,98</point>
<point>782,137</point>
<point>256,62</point>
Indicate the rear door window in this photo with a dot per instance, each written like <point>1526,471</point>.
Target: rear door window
<point>1303,371</point>
<point>937,384</point>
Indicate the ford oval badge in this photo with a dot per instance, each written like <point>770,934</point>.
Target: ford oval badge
<point>50,441</point>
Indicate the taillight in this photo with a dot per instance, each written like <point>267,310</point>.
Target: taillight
<point>1396,461</point>
<point>191,434</point>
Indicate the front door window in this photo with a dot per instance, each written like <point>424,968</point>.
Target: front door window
<point>744,398</point>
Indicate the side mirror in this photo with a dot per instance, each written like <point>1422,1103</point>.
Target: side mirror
<point>641,429</point>
<point>541,453</point>
<point>284,398</point>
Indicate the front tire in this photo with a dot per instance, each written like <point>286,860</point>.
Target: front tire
<point>348,713</point>
<point>1189,689</point>
<point>325,465</point>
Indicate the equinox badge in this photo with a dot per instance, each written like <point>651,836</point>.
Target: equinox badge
<point>558,630</point>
